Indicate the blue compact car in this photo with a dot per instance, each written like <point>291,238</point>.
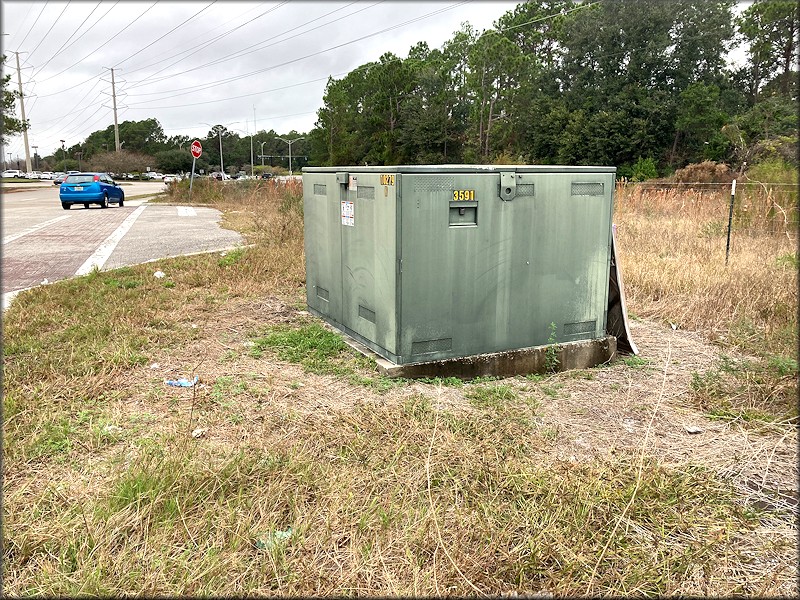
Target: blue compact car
<point>90,188</point>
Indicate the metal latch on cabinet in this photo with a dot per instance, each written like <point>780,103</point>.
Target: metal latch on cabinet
<point>508,185</point>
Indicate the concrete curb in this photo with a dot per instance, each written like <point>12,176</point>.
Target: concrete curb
<point>524,361</point>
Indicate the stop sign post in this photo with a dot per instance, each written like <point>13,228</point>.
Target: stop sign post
<point>197,151</point>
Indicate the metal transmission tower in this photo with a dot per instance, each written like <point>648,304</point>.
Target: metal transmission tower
<point>24,121</point>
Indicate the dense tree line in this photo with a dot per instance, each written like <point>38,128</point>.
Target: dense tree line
<point>643,85</point>
<point>617,82</point>
<point>144,144</point>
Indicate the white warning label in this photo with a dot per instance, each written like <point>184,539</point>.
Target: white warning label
<point>348,213</point>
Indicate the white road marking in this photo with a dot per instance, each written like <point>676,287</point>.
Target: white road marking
<point>105,249</point>
<point>29,230</point>
<point>186,211</point>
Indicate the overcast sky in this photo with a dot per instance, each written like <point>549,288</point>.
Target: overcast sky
<point>190,63</point>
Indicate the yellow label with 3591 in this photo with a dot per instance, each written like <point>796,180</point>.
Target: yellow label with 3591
<point>387,179</point>
<point>463,194</point>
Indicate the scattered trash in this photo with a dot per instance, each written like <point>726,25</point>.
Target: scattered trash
<point>182,382</point>
<point>45,281</point>
<point>674,326</point>
<point>155,366</point>
<point>273,538</point>
<point>111,428</point>
<point>629,425</point>
<point>159,274</point>
<point>249,344</point>
<point>223,253</point>
<point>693,429</point>
<point>194,326</point>
<point>198,433</point>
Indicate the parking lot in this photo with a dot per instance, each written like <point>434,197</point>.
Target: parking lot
<point>42,243</point>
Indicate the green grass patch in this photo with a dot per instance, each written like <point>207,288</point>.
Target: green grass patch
<point>636,362</point>
<point>497,396</point>
<point>310,344</point>
<point>231,257</point>
<point>788,260</point>
<point>753,391</point>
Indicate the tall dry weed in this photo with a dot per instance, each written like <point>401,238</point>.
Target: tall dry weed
<point>672,251</point>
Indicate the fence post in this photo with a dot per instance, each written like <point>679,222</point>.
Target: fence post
<point>730,221</point>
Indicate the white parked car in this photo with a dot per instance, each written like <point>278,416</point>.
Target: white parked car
<point>35,175</point>
<point>47,175</point>
<point>14,173</point>
<point>171,178</point>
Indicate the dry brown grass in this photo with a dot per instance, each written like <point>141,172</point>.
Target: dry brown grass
<point>584,482</point>
<point>672,249</point>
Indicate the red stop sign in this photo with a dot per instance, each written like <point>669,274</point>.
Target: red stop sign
<point>197,149</point>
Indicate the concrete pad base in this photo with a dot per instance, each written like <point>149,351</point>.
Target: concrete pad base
<point>524,361</point>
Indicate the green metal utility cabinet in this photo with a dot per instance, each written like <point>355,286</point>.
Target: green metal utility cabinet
<point>422,263</point>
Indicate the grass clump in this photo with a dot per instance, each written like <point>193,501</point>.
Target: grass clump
<point>750,391</point>
<point>310,345</point>
<point>491,396</point>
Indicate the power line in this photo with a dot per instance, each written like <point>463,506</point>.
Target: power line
<point>74,111</point>
<point>108,41</point>
<point>285,87</point>
<point>203,46</point>
<point>25,18</point>
<point>261,45</point>
<point>44,37</point>
<point>242,53</point>
<point>190,49</point>
<point>560,14</point>
<point>166,34</point>
<point>72,87</point>
<point>336,47</point>
<point>75,31</point>
<point>32,26</point>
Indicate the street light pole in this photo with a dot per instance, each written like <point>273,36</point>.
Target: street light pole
<point>290,149</point>
<point>35,157</point>
<point>262,153</point>
<point>218,130</point>
<point>63,155</point>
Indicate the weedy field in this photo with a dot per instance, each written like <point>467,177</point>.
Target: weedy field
<point>293,468</point>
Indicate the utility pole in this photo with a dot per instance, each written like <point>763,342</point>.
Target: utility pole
<point>114,100</point>
<point>35,156</point>
<point>24,121</point>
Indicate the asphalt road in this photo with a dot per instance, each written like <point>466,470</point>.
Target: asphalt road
<point>43,243</point>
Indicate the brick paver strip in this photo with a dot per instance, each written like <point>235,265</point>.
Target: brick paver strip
<point>57,249</point>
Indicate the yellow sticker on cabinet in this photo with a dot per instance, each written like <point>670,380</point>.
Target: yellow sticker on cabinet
<point>387,179</point>
<point>467,195</point>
